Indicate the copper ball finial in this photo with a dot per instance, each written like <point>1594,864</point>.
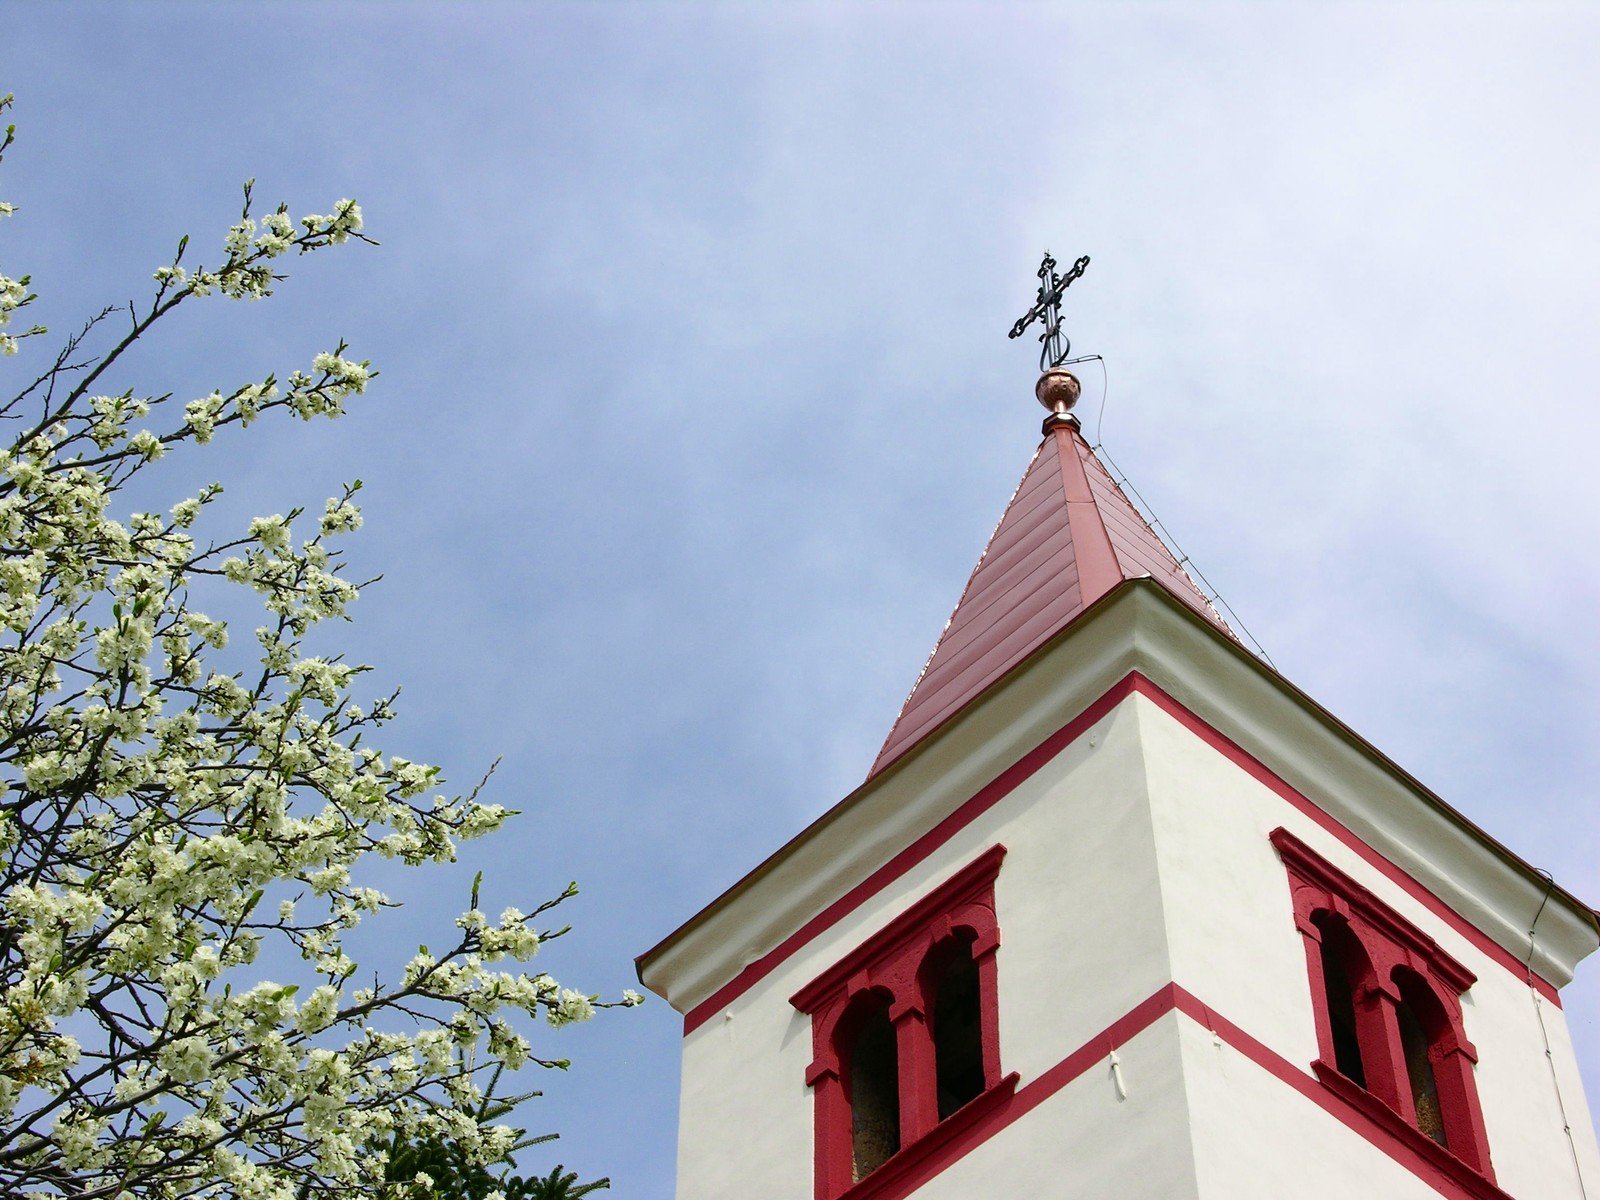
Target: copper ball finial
<point>1058,390</point>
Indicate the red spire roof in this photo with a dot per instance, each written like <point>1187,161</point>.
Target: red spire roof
<point>1067,538</point>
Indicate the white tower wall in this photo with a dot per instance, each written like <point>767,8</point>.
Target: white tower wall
<point>1083,942</point>
<point>1145,917</point>
<point>1233,943</point>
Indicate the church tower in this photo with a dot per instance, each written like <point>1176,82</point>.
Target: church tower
<point>1121,912</point>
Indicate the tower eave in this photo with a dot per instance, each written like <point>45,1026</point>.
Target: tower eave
<point>1137,628</point>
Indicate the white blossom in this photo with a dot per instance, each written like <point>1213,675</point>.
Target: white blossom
<point>272,532</point>
<point>183,821</point>
<point>573,1006</point>
<point>340,516</point>
<point>344,372</point>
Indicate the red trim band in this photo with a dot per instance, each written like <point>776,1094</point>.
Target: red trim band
<point>973,881</point>
<point>1258,771</point>
<point>1367,1116</point>
<point>987,797</point>
<point>1431,1163</point>
<point>896,972</point>
<point>924,1158</point>
<point>1024,768</point>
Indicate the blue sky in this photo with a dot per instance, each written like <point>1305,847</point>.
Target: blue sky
<point>697,408</point>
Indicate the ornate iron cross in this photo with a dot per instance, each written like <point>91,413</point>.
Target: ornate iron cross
<point>1055,344</point>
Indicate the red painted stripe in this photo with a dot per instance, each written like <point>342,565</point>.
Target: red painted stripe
<point>1013,776</point>
<point>991,794</point>
<point>1456,1181</point>
<point>1096,1050</point>
<point>920,1167</point>
<point>951,1139</point>
<point>1258,771</point>
<point>902,1179</point>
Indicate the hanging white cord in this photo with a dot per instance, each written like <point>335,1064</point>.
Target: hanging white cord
<point>1550,1059</point>
<point>1117,1077</point>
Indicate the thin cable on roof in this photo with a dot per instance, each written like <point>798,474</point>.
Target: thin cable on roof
<point>1185,563</point>
<point>1105,387</point>
<point>1538,1011</point>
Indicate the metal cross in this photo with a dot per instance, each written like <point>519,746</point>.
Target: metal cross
<point>1055,345</point>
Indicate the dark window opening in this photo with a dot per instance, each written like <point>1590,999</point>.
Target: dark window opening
<point>1388,1005</point>
<point>1424,1090</point>
<point>1419,1022</point>
<point>958,1032</point>
<point>1341,1001</point>
<point>874,1093</point>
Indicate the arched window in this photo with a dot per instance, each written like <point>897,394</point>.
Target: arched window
<point>905,1035</point>
<point>871,1063</point>
<point>1343,964</point>
<point>1422,1030</point>
<point>955,1003</point>
<point>1387,1002</point>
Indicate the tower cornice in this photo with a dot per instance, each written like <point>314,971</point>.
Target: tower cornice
<point>1036,710</point>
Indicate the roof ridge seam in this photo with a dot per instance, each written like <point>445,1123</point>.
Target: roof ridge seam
<point>1067,440</point>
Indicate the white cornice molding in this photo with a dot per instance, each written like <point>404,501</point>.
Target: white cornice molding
<point>885,815</point>
<point>1356,784</point>
<point>1139,626</point>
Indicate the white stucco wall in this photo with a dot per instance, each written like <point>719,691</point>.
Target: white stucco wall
<point>1233,943</point>
<point>1255,1138</point>
<point>1138,856</point>
<point>1086,1143</point>
<point>1082,942</point>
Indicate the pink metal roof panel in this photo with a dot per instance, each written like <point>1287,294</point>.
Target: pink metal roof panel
<point>956,690</point>
<point>1068,536</point>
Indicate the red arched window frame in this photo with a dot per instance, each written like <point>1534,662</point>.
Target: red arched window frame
<point>891,964</point>
<point>1391,964</point>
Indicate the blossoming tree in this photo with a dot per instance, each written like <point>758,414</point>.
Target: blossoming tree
<point>180,834</point>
